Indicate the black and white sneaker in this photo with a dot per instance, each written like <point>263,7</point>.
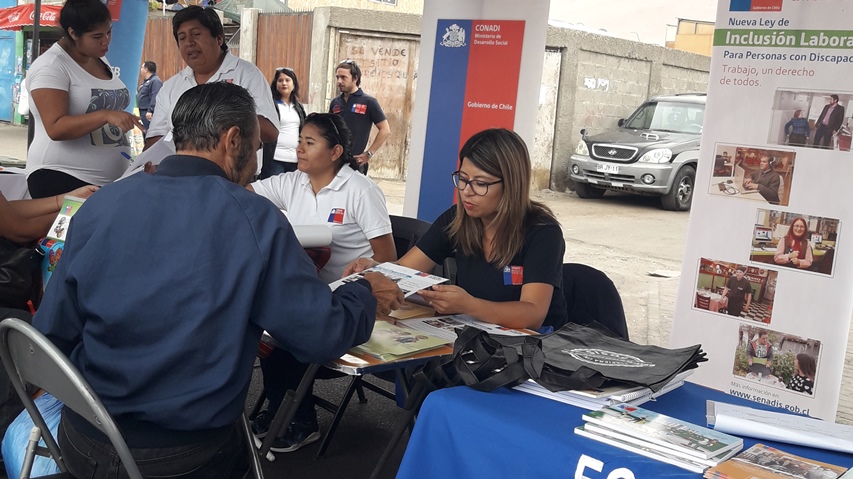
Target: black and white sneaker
<point>296,436</point>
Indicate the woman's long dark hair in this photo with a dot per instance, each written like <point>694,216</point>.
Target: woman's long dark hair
<point>294,95</point>
<point>82,16</point>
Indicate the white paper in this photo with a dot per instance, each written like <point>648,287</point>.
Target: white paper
<point>313,236</point>
<point>781,427</point>
<point>159,150</point>
<point>409,280</point>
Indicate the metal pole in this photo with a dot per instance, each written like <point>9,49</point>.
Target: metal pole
<point>33,54</point>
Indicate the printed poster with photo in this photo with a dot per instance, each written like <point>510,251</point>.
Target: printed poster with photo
<point>767,276</point>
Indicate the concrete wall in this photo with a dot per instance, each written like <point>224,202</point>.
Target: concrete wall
<point>601,79</point>
<point>604,79</point>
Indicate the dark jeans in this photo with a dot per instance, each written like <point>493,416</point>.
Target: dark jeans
<point>224,456</point>
<point>797,139</point>
<point>272,168</point>
<point>282,372</point>
<point>145,122</point>
<point>44,183</point>
<point>822,136</point>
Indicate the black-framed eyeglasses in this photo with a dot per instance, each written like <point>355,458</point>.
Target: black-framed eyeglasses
<point>328,116</point>
<point>479,188</point>
<point>284,69</point>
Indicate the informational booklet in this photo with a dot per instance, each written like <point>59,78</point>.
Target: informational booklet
<point>765,462</point>
<point>389,341</point>
<point>608,396</point>
<point>409,280</point>
<point>447,326</point>
<point>640,449</point>
<point>59,228</point>
<point>781,427</point>
<point>667,431</point>
<point>607,432</point>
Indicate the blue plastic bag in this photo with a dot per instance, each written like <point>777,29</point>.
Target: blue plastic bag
<point>14,446</point>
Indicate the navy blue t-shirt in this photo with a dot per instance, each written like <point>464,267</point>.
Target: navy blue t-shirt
<point>539,261</point>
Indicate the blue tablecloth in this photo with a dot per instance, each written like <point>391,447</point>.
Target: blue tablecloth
<point>464,433</point>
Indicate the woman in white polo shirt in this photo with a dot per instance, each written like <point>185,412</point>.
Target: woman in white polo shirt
<point>327,190</point>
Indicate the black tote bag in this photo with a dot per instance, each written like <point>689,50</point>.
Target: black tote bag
<point>573,357</point>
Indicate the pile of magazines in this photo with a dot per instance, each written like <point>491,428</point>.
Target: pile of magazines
<point>657,436</point>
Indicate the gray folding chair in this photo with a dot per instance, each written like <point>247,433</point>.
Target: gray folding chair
<point>29,357</point>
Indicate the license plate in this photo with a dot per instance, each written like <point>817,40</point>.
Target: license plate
<point>602,168</point>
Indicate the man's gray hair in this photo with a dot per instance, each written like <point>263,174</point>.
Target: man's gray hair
<point>206,111</point>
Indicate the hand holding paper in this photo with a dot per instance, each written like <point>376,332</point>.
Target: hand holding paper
<point>387,293</point>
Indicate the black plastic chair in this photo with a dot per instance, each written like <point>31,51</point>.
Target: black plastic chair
<point>592,296</point>
<point>406,232</point>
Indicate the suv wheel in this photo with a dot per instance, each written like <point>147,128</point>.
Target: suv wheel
<point>587,191</point>
<point>681,194</point>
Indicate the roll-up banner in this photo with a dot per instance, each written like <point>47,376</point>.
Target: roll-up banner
<point>480,67</point>
<point>767,273</point>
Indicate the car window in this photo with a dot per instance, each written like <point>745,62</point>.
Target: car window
<point>668,116</point>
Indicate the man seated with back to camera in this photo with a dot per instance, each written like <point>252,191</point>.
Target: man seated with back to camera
<point>165,287</point>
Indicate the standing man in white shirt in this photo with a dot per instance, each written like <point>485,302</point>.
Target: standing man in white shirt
<point>201,41</point>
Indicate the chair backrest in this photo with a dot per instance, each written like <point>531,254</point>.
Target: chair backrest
<point>406,232</point>
<point>703,301</point>
<point>29,357</point>
<point>592,296</point>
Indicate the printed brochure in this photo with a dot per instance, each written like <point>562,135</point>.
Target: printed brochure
<point>667,431</point>
<point>59,228</point>
<point>765,462</point>
<point>389,341</point>
<point>409,280</point>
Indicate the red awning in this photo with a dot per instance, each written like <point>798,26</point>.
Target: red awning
<point>13,18</point>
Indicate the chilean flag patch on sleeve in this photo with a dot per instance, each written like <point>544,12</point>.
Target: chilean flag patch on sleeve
<point>336,216</point>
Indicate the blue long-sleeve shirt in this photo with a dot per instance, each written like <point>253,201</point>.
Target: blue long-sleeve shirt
<point>165,286</point>
<point>797,126</point>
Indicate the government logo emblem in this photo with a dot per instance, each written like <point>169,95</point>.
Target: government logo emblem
<point>454,37</point>
<point>603,357</point>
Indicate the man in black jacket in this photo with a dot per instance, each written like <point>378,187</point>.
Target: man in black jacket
<point>828,123</point>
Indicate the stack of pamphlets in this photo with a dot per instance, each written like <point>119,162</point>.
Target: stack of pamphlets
<point>658,436</point>
<point>611,394</point>
<point>765,462</point>
<point>389,342</point>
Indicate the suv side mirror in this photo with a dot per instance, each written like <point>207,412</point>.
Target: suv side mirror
<point>583,132</point>
<point>621,122</point>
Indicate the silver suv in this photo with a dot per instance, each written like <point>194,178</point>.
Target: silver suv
<point>653,152</point>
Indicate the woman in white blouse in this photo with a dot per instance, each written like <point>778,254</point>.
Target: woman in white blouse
<point>291,114</point>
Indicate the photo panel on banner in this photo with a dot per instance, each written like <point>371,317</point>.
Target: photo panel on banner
<point>766,276</point>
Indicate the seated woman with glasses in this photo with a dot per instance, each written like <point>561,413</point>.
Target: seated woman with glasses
<point>328,190</point>
<point>508,248</point>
